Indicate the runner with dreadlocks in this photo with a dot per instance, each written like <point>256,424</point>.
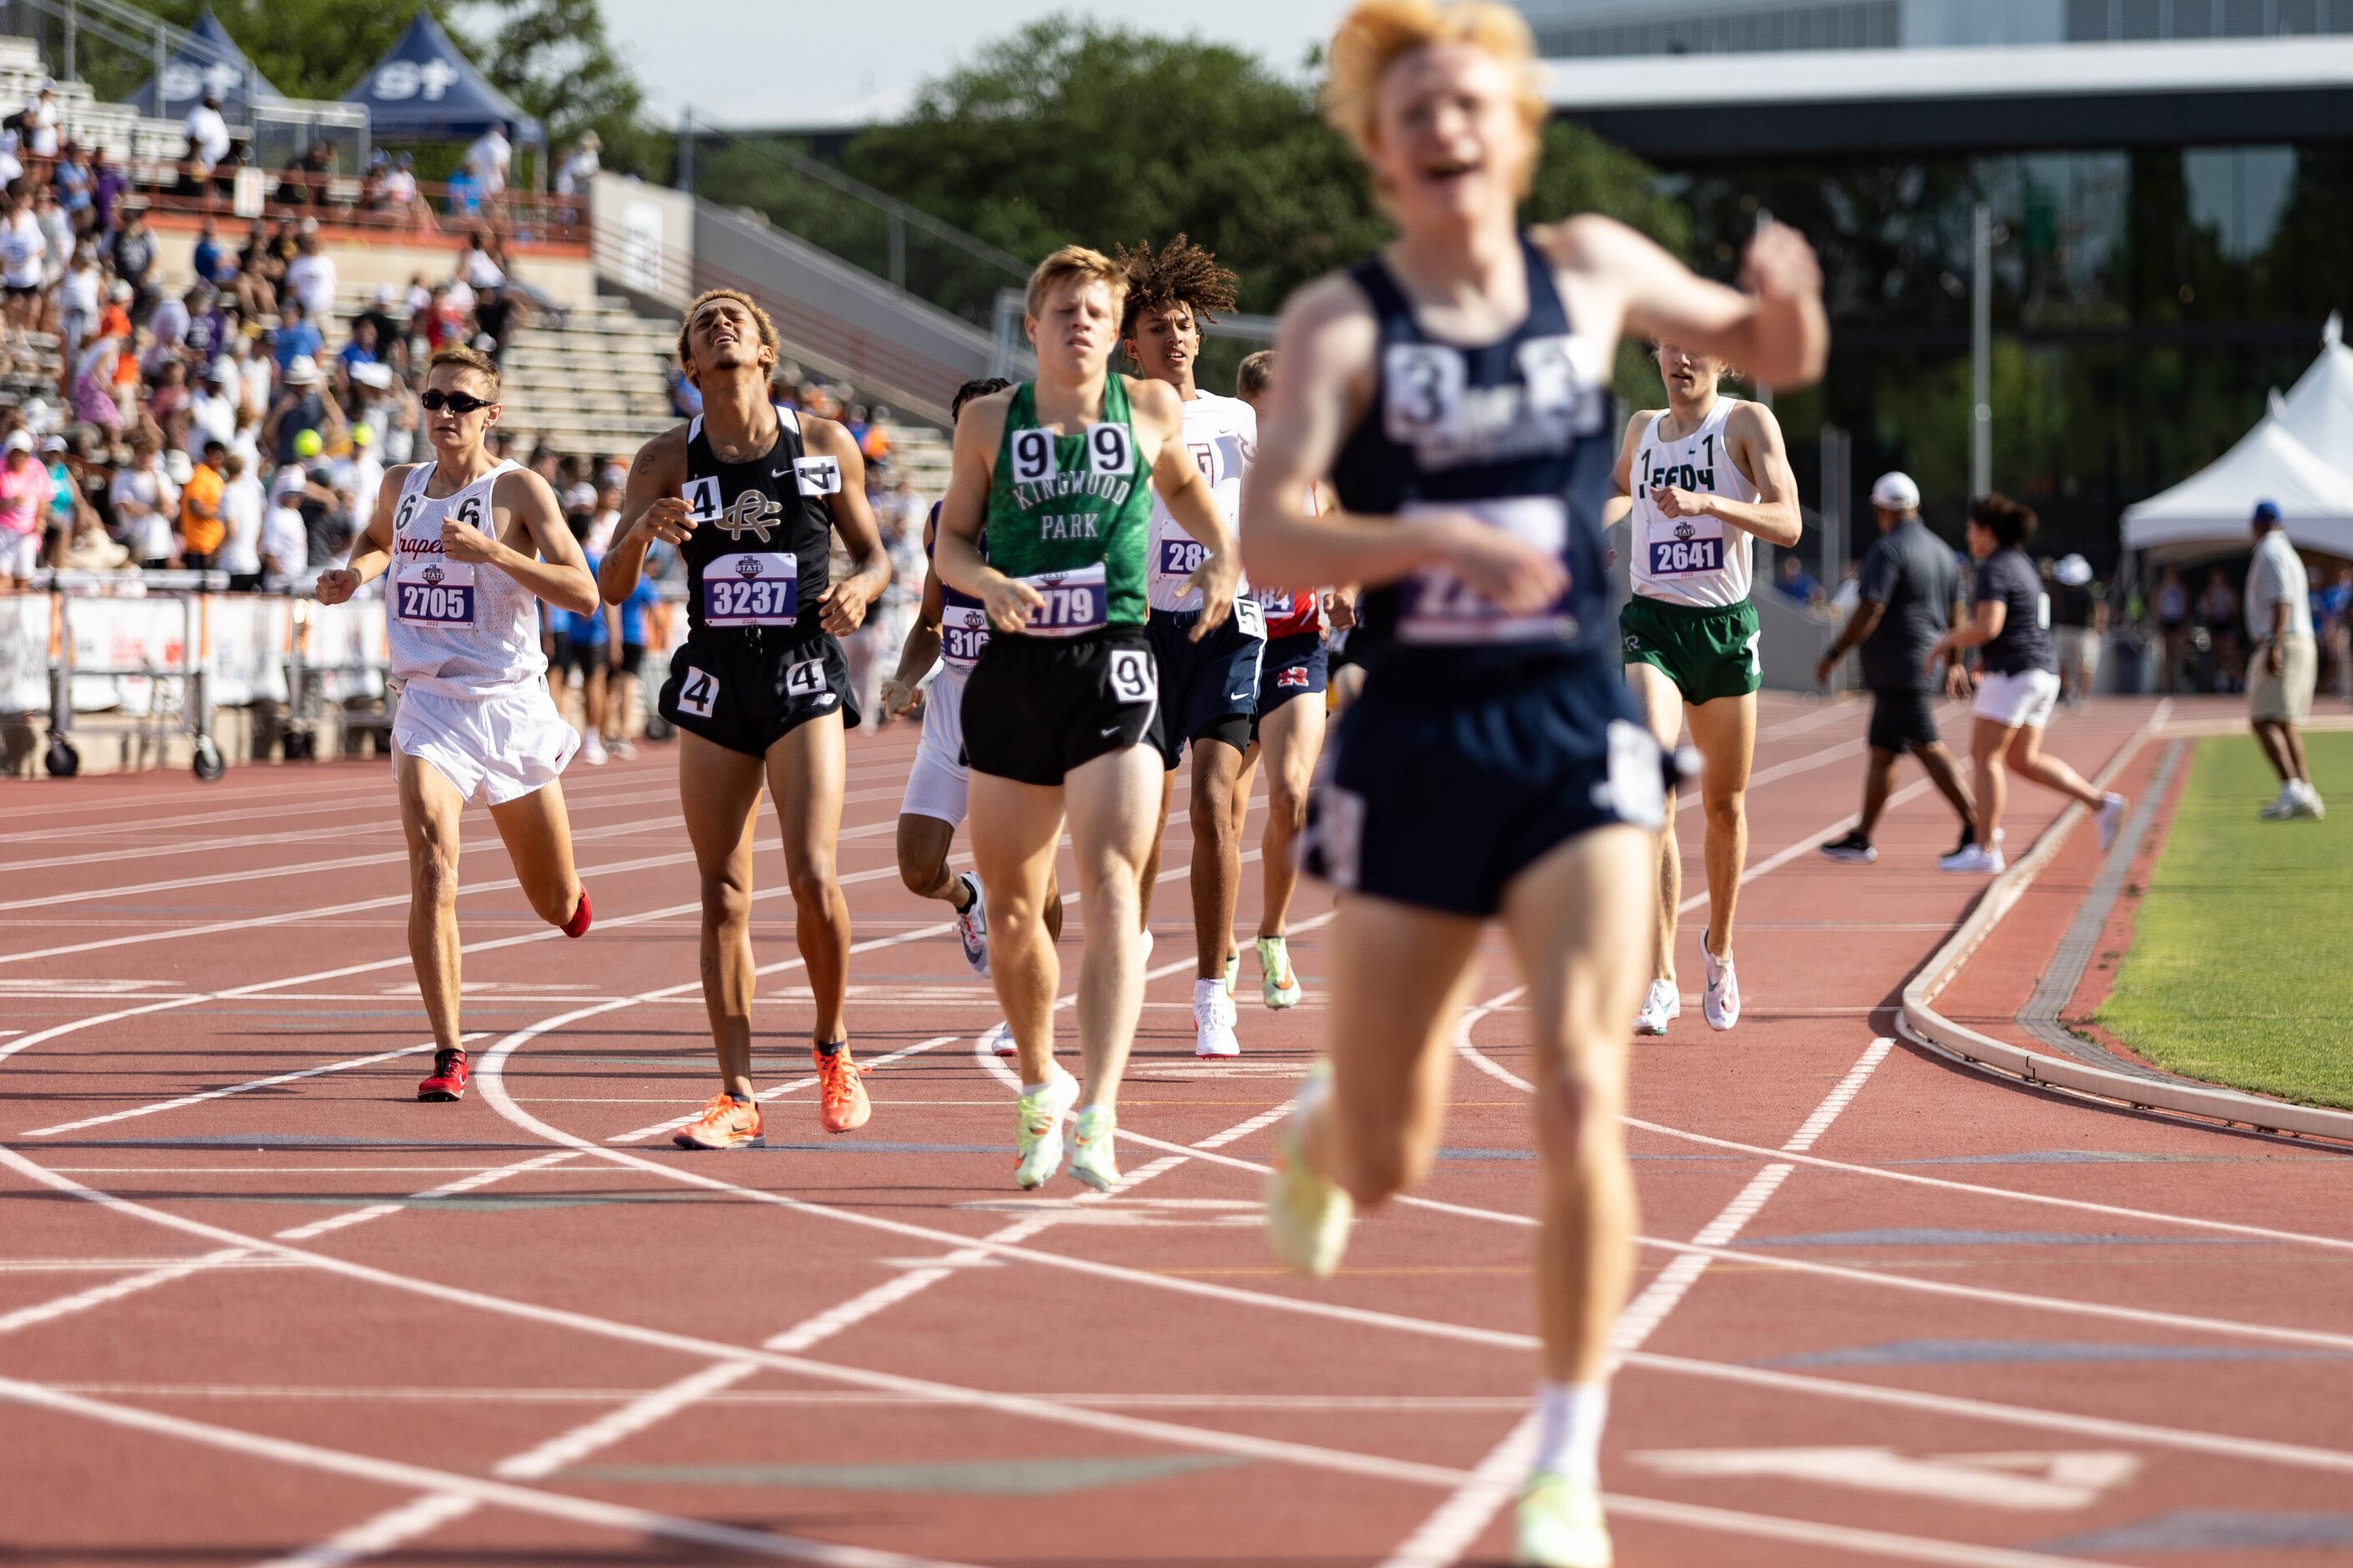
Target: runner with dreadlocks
<point>1208,689</point>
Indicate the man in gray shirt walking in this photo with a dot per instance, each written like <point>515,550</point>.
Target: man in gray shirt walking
<point>1911,596</point>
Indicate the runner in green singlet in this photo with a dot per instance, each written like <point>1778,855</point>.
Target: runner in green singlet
<point>1061,712</point>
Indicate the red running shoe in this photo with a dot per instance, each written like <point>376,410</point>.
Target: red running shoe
<point>842,1105</point>
<point>578,924</point>
<point>448,1078</point>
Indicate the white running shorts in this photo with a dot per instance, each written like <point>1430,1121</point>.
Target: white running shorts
<point>500,747</point>
<point>937,786</point>
<point>2021,701</point>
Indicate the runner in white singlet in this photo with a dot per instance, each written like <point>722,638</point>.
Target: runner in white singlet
<point>950,631</point>
<point>469,546</point>
<point>1701,481</point>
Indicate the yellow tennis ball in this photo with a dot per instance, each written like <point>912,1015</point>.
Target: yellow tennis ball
<point>307,445</point>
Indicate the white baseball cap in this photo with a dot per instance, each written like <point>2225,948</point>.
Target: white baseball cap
<point>20,440</point>
<point>1896,493</point>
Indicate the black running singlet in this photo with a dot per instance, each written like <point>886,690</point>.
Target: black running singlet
<point>759,557</point>
<point>1514,432</point>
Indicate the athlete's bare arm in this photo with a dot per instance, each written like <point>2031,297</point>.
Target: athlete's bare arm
<point>1186,491</point>
<point>1776,332</point>
<point>979,431</point>
<point>553,568</point>
<point>372,550</point>
<point>922,649</point>
<point>842,608</point>
<point>1752,439</point>
<point>1325,345</point>
<point>651,508</point>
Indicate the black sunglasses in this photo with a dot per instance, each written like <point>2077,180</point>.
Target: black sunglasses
<point>455,402</point>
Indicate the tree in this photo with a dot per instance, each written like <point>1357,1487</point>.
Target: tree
<point>1067,130</point>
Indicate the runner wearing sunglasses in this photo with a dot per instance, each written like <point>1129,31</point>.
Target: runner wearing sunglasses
<point>752,494</point>
<point>472,544</point>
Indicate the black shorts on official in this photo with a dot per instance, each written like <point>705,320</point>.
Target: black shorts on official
<point>1209,690</point>
<point>747,690</point>
<point>1903,721</point>
<point>633,654</point>
<point>569,655</point>
<point>1296,665</point>
<point>1440,798</point>
<point>1035,708</point>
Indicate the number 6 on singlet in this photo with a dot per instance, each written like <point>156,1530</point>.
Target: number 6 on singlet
<point>1131,676</point>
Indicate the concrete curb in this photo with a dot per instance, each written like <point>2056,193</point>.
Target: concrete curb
<point>1920,1023</point>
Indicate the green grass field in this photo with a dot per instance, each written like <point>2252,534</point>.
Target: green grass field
<point>2240,970</point>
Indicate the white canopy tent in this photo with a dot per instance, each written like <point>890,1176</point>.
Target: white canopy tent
<point>2300,456</point>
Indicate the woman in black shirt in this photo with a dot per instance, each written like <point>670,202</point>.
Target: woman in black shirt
<point>2018,682</point>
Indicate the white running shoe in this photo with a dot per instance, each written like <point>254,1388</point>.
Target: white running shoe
<point>1660,1004</point>
<point>592,749</point>
<point>1720,1003</point>
<point>1560,1525</point>
<point>2111,818</point>
<point>1974,858</point>
<point>2283,805</point>
<point>1093,1159</point>
<point>1146,957</point>
<point>2308,802</point>
<point>1038,1130</point>
<point>1306,1216</point>
<point>1213,1020</point>
<point>998,1040</point>
<point>620,750</point>
<point>972,926</point>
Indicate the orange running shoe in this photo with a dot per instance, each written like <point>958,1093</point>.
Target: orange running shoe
<point>842,1105</point>
<point>725,1123</point>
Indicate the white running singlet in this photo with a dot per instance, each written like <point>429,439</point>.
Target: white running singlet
<point>1699,560</point>
<point>456,629</point>
<point>1221,433</point>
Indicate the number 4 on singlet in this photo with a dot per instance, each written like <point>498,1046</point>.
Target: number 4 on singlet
<point>698,692</point>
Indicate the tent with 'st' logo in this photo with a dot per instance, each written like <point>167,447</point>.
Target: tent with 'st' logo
<point>424,90</point>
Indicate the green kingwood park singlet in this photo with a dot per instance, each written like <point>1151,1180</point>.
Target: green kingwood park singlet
<point>1071,515</point>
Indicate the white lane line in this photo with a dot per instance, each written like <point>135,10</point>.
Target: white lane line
<point>245,1088</point>
<point>1449,1531</point>
<point>504,1494</point>
<point>1782,857</point>
<point>170,1269</point>
<point>475,1393</point>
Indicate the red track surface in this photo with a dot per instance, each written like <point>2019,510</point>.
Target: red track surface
<point>612,1352</point>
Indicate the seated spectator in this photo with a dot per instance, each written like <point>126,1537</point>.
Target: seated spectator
<point>209,327</point>
<point>295,338</point>
<point>78,299</point>
<point>145,503</point>
<point>390,334</point>
<point>241,509</point>
<point>167,403</point>
<point>213,264</point>
<point>93,381</point>
<point>462,195</point>
<point>285,542</point>
<point>301,410</point>
<point>212,409</point>
<point>359,349</point>
<point>42,118</point>
<point>685,398</point>
<point>494,324</point>
<point>107,183</point>
<point>875,444</point>
<point>207,132</point>
<point>24,509</point>
<point>22,251</point>
<point>311,276</point>
<point>133,254</point>
<point>400,192</point>
<point>1795,581</point>
<point>72,179</point>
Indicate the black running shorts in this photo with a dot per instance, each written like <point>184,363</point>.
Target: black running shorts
<point>1902,721</point>
<point>1037,707</point>
<point>746,691</point>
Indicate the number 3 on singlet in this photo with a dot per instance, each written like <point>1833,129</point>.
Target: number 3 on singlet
<point>697,693</point>
<point>1131,676</point>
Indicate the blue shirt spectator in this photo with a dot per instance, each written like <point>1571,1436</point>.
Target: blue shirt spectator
<point>213,264</point>
<point>633,613</point>
<point>294,338</point>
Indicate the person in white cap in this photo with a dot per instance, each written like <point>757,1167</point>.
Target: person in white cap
<point>23,504</point>
<point>1702,479</point>
<point>2079,619</point>
<point>2285,658</point>
<point>1910,591</point>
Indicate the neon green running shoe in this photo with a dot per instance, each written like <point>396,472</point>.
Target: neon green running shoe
<point>1038,1131</point>
<point>1233,969</point>
<point>1274,969</point>
<point>1306,1216</point>
<point>1093,1158</point>
<point>1560,1524</point>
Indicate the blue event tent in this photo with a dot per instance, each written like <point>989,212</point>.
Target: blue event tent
<point>424,90</point>
<point>209,58</point>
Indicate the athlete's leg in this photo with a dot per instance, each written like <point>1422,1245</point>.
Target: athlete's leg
<point>1570,918</point>
<point>1110,804</point>
<point>592,699</point>
<point>1725,730</point>
<point>1016,829</point>
<point>2028,761</point>
<point>538,835</point>
<point>804,780</point>
<point>429,809</point>
<point>1988,743</point>
<point>1662,710</point>
<point>1150,876</point>
<point>719,794</point>
<point>1217,853</point>
<point>1878,775</point>
<point>1245,779</point>
<point>923,843</point>
<point>1937,762</point>
<point>1399,977</point>
<point>1292,737</point>
<point>2293,742</point>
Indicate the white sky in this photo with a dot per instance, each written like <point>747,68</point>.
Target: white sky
<point>769,62</point>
